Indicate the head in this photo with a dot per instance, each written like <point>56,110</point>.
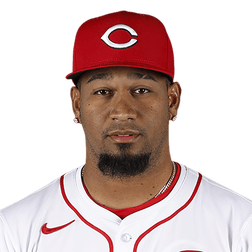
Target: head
<point>124,95</point>
<point>136,103</point>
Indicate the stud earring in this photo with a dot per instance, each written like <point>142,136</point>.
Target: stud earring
<point>76,120</point>
<point>174,119</point>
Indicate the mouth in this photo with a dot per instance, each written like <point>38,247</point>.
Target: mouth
<point>124,138</point>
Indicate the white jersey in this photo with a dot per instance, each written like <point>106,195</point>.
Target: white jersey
<point>197,215</point>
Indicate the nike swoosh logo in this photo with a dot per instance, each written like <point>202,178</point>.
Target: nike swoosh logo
<point>46,230</point>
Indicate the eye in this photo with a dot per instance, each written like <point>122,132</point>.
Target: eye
<point>102,92</point>
<point>143,89</point>
<point>106,92</point>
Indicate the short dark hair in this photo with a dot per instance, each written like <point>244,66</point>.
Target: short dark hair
<point>168,81</point>
<point>78,83</point>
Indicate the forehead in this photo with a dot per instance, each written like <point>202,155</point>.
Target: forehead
<point>109,73</point>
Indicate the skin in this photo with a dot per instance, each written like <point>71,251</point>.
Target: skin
<point>120,98</point>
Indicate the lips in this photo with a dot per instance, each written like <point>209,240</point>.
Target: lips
<point>123,138</point>
<point>123,133</point>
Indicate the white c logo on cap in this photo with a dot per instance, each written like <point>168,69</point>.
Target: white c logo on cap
<point>132,32</point>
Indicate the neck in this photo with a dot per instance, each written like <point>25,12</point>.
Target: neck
<point>119,193</point>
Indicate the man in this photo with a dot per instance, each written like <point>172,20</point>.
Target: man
<point>129,195</point>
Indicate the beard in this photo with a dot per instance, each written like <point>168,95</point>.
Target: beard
<point>124,165</point>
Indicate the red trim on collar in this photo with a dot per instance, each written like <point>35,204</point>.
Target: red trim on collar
<point>122,213</point>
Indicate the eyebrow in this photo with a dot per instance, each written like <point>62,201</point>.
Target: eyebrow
<point>134,75</point>
<point>138,76</point>
<point>100,76</point>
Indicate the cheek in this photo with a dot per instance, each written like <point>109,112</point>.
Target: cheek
<point>157,121</point>
<point>91,118</point>
<point>159,112</point>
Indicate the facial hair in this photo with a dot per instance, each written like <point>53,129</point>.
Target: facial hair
<point>124,165</point>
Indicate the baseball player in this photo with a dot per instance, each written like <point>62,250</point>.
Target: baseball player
<point>129,196</point>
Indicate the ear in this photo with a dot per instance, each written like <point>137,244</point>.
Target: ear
<point>174,93</point>
<point>75,96</point>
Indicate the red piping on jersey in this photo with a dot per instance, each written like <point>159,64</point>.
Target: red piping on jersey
<point>170,217</point>
<point>81,217</point>
<point>143,234</point>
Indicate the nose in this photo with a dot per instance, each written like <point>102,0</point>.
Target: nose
<point>123,109</point>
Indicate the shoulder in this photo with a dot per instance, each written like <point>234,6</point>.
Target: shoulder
<point>224,195</point>
<point>225,208</point>
<point>31,203</point>
<point>217,192</point>
<point>19,219</point>
<point>23,218</point>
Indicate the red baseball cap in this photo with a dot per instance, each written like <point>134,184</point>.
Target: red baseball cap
<point>122,39</point>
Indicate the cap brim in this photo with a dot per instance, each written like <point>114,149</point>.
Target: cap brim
<point>76,75</point>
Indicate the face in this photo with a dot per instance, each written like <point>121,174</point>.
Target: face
<point>125,115</point>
